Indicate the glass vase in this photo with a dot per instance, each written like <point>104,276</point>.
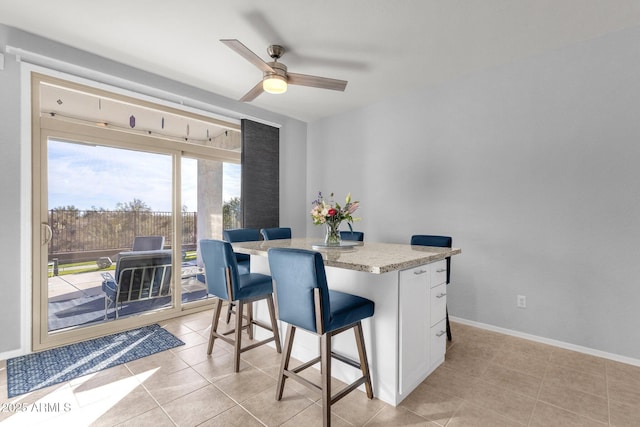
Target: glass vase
<point>332,236</point>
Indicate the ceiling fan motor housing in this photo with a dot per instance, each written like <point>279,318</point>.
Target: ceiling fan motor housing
<point>279,68</point>
<point>275,51</point>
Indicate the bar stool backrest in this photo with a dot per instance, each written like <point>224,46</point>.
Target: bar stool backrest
<point>220,267</point>
<point>241,235</point>
<point>357,236</point>
<point>437,241</point>
<point>276,233</point>
<point>297,274</point>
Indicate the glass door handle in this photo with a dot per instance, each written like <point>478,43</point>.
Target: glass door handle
<point>48,233</point>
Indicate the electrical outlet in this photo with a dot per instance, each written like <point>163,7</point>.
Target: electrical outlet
<point>521,301</point>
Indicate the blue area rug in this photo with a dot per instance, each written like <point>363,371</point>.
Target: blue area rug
<point>39,370</point>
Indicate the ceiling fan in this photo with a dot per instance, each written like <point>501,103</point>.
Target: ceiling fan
<point>276,78</point>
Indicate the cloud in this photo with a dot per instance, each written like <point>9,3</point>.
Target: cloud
<point>88,176</point>
<point>231,181</point>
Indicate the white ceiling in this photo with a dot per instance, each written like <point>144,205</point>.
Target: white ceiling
<point>382,47</point>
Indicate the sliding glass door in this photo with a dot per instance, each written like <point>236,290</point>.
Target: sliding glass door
<point>122,192</point>
<point>100,201</point>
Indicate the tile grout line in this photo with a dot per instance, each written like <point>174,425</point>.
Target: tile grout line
<point>152,397</point>
<point>535,405</point>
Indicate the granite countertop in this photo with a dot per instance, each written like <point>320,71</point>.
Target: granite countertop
<point>372,257</point>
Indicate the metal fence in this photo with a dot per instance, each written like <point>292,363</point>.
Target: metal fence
<point>77,231</point>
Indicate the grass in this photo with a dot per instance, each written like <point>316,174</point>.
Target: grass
<point>79,267</point>
<point>91,266</point>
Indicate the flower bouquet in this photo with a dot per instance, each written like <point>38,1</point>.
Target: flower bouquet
<point>331,214</point>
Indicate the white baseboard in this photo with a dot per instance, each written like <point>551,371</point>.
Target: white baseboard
<point>555,343</point>
<point>15,353</point>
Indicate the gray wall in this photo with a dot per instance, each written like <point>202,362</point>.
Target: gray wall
<point>292,149</point>
<point>532,167</point>
<point>11,312</point>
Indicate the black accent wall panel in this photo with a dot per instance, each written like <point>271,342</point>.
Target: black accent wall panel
<point>260,175</point>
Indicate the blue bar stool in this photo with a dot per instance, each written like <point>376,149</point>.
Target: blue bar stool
<point>276,233</point>
<point>244,260</point>
<point>356,236</point>
<point>440,242</point>
<point>224,282</point>
<point>242,235</point>
<point>305,301</point>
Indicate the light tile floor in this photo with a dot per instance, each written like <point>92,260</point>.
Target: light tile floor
<point>488,379</point>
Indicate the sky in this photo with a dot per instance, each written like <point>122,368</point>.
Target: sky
<point>87,176</point>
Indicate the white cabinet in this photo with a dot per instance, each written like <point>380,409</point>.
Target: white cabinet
<point>438,332</point>
<point>422,311</point>
<point>438,272</point>
<point>438,343</point>
<point>405,338</point>
<point>413,327</point>
<point>438,304</point>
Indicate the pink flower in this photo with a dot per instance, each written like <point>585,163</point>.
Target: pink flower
<point>329,212</point>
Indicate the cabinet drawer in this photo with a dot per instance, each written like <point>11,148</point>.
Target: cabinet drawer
<point>438,343</point>
<point>438,273</point>
<point>438,303</point>
<point>420,272</point>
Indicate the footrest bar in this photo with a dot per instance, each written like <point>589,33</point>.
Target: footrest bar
<point>256,344</point>
<point>348,389</point>
<point>302,380</point>
<point>346,360</point>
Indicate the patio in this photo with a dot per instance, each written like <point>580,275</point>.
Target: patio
<point>78,299</point>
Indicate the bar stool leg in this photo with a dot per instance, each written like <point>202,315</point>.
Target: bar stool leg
<point>284,365</point>
<point>238,336</point>
<point>325,368</point>
<point>229,310</point>
<point>250,320</point>
<point>214,324</point>
<point>364,363</point>
<point>274,323</point>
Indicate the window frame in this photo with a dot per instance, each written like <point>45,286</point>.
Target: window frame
<point>44,127</point>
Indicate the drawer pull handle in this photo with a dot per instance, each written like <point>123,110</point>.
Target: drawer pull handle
<point>441,270</point>
<point>441,294</point>
<point>419,272</point>
<point>441,333</point>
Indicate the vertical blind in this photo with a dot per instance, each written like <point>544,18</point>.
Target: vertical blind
<point>260,175</point>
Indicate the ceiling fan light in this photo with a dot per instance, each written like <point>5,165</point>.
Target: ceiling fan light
<point>274,84</point>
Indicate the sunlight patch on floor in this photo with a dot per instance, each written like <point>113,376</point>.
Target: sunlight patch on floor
<point>61,407</point>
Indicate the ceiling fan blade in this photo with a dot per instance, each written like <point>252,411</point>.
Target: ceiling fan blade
<point>315,81</point>
<point>253,93</point>
<point>247,54</point>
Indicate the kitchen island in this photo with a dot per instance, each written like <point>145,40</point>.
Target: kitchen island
<point>406,337</point>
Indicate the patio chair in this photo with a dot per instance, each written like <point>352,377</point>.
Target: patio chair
<point>139,275</point>
<point>148,243</point>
